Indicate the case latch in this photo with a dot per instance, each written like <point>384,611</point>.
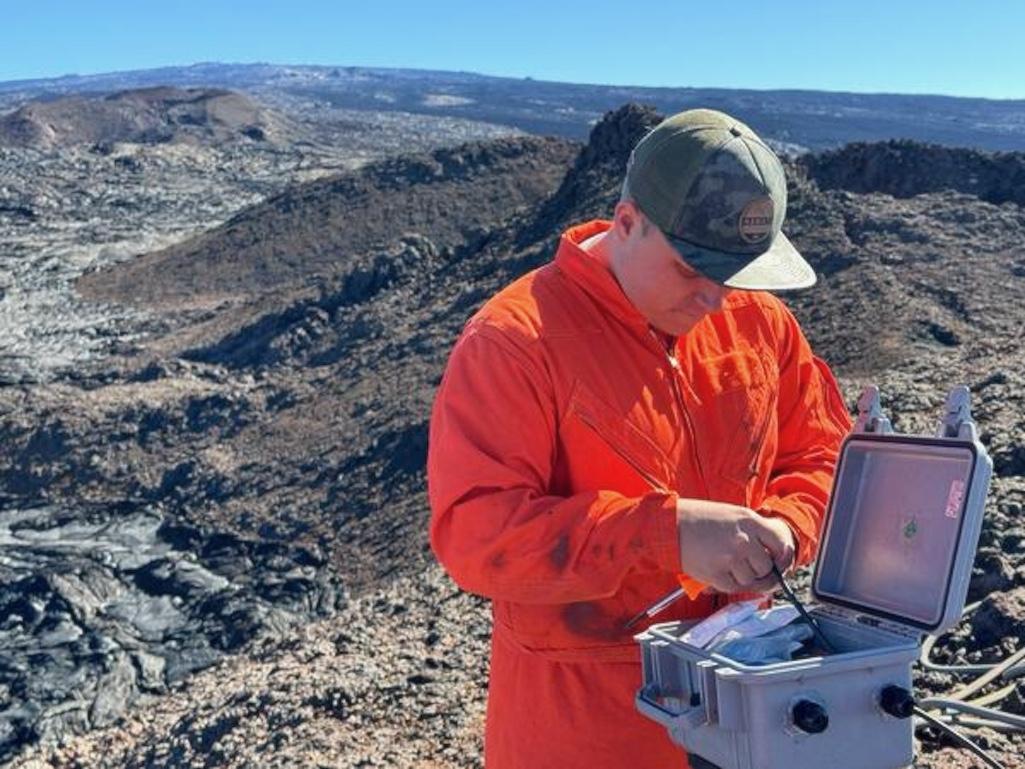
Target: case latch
<point>957,420</point>
<point>870,414</point>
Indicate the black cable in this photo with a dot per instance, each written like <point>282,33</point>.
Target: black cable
<point>964,741</point>
<point>796,602</point>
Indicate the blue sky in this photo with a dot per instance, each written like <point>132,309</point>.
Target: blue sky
<point>946,47</point>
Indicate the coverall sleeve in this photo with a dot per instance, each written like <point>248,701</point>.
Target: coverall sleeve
<point>813,420</point>
<point>494,525</point>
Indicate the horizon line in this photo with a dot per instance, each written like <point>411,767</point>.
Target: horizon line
<point>15,82</point>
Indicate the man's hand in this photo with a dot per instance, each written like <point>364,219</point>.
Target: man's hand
<point>731,548</point>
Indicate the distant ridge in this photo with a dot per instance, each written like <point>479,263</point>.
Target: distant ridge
<point>145,115</point>
<point>904,169</point>
<point>795,120</point>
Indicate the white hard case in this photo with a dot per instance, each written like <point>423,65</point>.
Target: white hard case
<point>897,549</point>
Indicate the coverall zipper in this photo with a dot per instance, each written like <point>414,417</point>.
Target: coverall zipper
<point>674,372</point>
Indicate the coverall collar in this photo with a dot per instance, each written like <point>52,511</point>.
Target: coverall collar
<point>592,275</point>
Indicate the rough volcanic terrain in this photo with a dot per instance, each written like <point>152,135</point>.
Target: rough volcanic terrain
<point>287,429</point>
<point>108,604</point>
<point>65,210</point>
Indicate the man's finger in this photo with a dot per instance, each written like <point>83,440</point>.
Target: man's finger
<point>786,561</point>
<point>743,574</point>
<point>778,539</point>
<point>760,562</point>
<point>786,558</point>
<point>766,585</point>
<point>769,540</point>
<point>725,583</point>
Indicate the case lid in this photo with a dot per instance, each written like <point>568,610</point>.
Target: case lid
<point>902,527</point>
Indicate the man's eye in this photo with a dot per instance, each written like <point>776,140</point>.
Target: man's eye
<point>686,272</point>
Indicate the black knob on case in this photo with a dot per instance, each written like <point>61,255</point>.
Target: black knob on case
<point>897,701</point>
<point>809,717</point>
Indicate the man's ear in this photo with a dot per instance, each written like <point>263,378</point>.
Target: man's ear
<point>626,219</point>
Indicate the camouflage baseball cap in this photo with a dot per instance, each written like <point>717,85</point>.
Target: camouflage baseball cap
<point>719,195</point>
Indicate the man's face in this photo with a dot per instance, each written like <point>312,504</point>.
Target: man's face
<point>671,295</point>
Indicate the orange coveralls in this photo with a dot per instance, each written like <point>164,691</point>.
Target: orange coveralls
<point>561,435</point>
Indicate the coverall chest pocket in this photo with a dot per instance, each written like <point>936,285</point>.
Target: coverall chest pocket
<point>736,392</point>
<point>606,450</point>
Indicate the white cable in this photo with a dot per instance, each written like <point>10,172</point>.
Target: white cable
<point>976,710</point>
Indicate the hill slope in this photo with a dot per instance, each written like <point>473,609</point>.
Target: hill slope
<point>449,196</point>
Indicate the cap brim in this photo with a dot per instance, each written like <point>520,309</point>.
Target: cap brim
<point>781,268</point>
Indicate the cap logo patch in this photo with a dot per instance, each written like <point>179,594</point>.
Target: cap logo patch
<point>755,222</point>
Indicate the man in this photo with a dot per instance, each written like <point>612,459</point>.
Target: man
<point>637,408</point>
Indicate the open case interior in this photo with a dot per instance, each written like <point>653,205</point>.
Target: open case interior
<point>895,523</point>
